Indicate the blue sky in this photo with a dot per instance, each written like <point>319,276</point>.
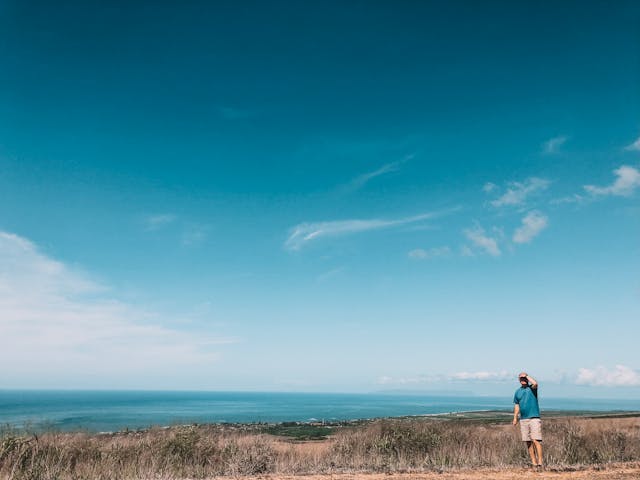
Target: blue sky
<point>320,196</point>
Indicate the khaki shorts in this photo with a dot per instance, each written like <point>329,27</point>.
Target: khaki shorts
<point>531,429</point>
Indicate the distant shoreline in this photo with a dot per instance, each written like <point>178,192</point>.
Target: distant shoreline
<point>481,416</point>
<point>112,411</point>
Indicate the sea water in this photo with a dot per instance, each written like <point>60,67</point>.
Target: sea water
<point>108,411</point>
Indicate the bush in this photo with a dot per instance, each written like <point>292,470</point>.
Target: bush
<point>382,445</point>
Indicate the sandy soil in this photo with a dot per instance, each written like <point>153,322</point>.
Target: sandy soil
<point>609,472</point>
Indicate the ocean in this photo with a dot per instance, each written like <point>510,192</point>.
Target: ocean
<point>109,411</point>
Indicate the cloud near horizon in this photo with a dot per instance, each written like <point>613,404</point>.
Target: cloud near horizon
<point>458,377</point>
<point>305,233</point>
<point>61,324</point>
<point>628,179</point>
<point>482,376</point>
<point>620,376</point>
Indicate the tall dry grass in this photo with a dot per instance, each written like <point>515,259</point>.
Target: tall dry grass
<point>401,445</point>
<point>382,445</point>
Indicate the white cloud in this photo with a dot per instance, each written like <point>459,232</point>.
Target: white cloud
<point>62,325</point>
<point>304,233</point>
<point>552,145</point>
<point>482,376</point>
<point>532,224</point>
<point>23,269</point>
<point>421,254</point>
<point>518,192</point>
<point>620,376</point>
<point>479,238</point>
<point>155,222</point>
<point>628,179</point>
<point>634,147</point>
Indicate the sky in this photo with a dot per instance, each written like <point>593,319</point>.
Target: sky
<point>320,196</point>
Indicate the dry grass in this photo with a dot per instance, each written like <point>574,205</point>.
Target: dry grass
<point>400,445</point>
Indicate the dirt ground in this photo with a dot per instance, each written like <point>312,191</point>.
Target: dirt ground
<point>609,472</point>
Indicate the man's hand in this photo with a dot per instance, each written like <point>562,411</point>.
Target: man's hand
<point>515,420</point>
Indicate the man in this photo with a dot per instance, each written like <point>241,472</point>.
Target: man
<point>526,406</point>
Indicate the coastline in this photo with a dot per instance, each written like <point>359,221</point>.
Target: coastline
<point>486,416</point>
<point>495,417</point>
<point>112,411</point>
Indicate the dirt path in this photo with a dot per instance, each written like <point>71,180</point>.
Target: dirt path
<point>610,472</point>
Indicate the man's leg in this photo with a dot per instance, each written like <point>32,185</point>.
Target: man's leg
<point>532,452</point>
<point>536,437</point>
<point>538,447</point>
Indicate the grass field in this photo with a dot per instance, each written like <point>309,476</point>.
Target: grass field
<point>439,445</point>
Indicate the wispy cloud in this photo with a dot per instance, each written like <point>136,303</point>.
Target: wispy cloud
<point>435,252</point>
<point>574,198</point>
<point>532,224</point>
<point>628,179</point>
<point>620,376</point>
<point>480,239</point>
<point>634,147</point>
<point>62,323</point>
<point>482,376</point>
<point>156,222</point>
<point>458,377</point>
<point>361,180</point>
<point>305,233</point>
<point>24,269</point>
<point>553,144</point>
<point>518,192</point>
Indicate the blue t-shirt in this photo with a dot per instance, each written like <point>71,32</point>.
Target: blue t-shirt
<point>527,398</point>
